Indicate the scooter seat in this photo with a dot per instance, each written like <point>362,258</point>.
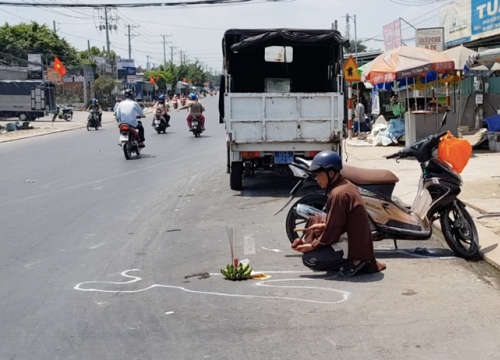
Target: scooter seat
<point>362,176</point>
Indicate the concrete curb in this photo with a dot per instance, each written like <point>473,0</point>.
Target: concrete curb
<point>49,133</point>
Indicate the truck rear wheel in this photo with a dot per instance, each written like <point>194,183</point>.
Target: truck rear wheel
<point>236,176</point>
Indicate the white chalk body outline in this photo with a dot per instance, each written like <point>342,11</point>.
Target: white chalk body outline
<point>265,283</point>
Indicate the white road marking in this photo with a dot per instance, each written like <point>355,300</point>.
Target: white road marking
<point>96,246</point>
<point>344,295</point>
<point>275,250</point>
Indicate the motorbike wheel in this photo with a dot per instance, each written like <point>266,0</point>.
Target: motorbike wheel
<point>127,150</point>
<point>292,222</point>
<point>158,131</point>
<point>68,117</point>
<point>88,126</point>
<point>460,231</point>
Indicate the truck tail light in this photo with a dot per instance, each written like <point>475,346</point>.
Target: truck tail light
<point>311,154</point>
<point>250,154</point>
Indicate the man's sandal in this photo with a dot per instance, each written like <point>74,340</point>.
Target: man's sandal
<point>351,269</point>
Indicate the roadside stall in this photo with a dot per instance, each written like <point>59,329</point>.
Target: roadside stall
<point>403,64</point>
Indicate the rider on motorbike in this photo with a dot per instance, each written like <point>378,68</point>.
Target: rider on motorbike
<point>127,113</point>
<point>195,109</point>
<point>162,104</point>
<point>345,213</point>
<point>95,107</point>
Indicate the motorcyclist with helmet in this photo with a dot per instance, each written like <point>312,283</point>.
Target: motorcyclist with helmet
<point>162,104</point>
<point>195,109</point>
<point>127,113</point>
<point>95,107</point>
<point>346,213</point>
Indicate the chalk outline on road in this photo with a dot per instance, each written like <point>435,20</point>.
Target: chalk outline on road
<point>344,294</point>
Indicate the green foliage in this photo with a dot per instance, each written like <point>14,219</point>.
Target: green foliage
<point>161,77</point>
<point>190,71</point>
<point>361,47</point>
<point>17,41</point>
<point>103,87</point>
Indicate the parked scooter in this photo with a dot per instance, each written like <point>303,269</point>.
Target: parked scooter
<point>390,218</point>
<point>129,140</point>
<point>196,126</point>
<point>65,113</point>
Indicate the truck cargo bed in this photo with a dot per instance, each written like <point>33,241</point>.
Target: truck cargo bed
<point>261,118</point>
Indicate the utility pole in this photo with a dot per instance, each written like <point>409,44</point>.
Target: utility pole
<point>164,53</point>
<point>108,54</point>
<point>347,29</point>
<point>172,54</point>
<point>130,36</point>
<point>88,47</point>
<point>55,28</point>
<point>147,63</point>
<point>107,22</point>
<point>182,61</point>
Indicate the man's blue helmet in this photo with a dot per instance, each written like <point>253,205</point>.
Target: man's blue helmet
<point>192,96</point>
<point>94,101</point>
<point>326,161</point>
<point>161,97</point>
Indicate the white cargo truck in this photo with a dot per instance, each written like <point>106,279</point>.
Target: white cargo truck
<point>281,97</point>
<point>27,100</point>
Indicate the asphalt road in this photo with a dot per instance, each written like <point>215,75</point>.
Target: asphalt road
<point>95,249</point>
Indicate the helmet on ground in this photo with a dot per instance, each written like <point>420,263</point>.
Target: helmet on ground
<point>326,161</point>
<point>161,97</point>
<point>129,93</point>
<point>192,96</point>
<point>94,101</point>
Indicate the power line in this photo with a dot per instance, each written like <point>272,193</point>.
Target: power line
<point>131,5</point>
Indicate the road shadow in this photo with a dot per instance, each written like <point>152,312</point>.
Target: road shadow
<point>143,156</point>
<point>418,253</point>
<point>267,184</point>
<point>335,276</point>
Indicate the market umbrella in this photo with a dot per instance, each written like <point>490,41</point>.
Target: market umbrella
<point>405,62</point>
<point>459,55</point>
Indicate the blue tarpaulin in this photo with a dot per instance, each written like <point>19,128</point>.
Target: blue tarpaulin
<point>493,122</point>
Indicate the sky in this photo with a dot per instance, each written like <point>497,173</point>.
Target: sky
<point>198,31</point>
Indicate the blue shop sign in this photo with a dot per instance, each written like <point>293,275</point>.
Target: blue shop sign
<point>485,16</point>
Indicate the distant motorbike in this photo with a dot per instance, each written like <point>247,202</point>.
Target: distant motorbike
<point>175,104</point>
<point>93,121</point>
<point>389,217</point>
<point>159,122</point>
<point>129,140</point>
<point>183,101</point>
<point>196,126</point>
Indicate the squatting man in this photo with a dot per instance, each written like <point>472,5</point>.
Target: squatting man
<point>346,213</point>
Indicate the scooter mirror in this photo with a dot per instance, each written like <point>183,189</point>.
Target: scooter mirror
<point>443,121</point>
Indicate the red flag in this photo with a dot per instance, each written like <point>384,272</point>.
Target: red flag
<point>59,67</point>
<point>151,80</point>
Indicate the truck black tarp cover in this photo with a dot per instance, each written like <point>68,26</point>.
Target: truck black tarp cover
<point>19,87</point>
<point>313,52</point>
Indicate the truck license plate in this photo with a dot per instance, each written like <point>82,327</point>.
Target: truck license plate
<point>283,157</point>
